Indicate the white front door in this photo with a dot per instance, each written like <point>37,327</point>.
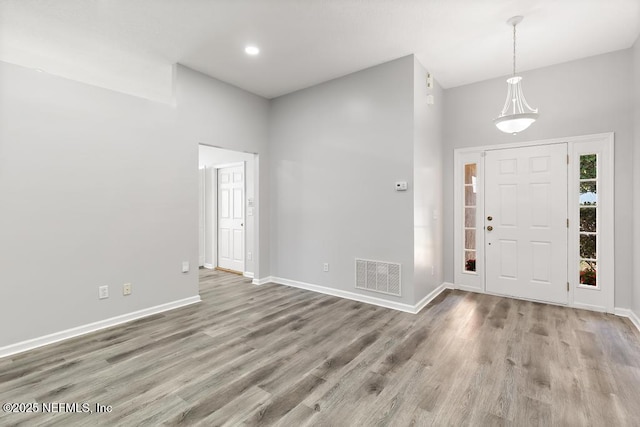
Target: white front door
<point>231,218</point>
<point>526,222</point>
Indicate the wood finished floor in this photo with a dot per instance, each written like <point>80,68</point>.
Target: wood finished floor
<point>273,355</point>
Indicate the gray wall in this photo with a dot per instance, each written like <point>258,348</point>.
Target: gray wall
<point>100,188</point>
<point>215,113</point>
<point>427,178</point>
<point>636,182</point>
<point>581,97</point>
<point>336,150</point>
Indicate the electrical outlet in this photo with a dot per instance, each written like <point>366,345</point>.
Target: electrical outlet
<point>126,289</point>
<point>325,267</point>
<point>103,292</point>
<point>401,186</point>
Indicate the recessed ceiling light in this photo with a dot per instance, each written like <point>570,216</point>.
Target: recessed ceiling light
<point>251,50</point>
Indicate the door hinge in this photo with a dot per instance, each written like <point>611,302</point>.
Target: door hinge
<point>567,286</point>
<point>567,222</point>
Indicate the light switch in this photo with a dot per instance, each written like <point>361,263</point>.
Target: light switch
<point>185,266</point>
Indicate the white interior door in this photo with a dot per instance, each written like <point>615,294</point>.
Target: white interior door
<point>231,218</point>
<point>526,222</point>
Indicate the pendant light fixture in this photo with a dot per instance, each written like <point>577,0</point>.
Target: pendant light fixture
<point>516,114</point>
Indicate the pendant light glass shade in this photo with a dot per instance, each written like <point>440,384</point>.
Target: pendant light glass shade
<point>517,114</point>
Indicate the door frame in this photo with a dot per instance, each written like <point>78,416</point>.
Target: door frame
<point>596,299</point>
<point>202,208</point>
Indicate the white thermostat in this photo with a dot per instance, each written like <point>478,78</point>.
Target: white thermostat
<point>401,186</point>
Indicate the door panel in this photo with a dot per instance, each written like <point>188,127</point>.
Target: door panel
<point>508,205</point>
<point>540,202</point>
<point>541,261</point>
<point>238,243</point>
<point>526,239</point>
<point>238,201</point>
<point>231,218</point>
<point>508,259</point>
<point>224,243</point>
<point>224,203</point>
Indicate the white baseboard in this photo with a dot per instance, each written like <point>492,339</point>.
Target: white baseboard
<point>262,281</point>
<point>467,288</point>
<point>407,308</point>
<point>426,300</point>
<point>346,294</point>
<point>248,274</point>
<point>589,307</point>
<point>625,312</point>
<point>209,266</point>
<point>92,327</point>
<point>634,319</point>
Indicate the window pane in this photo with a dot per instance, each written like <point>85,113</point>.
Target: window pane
<point>588,193</point>
<point>588,166</point>
<point>588,273</point>
<point>470,217</point>
<point>469,173</point>
<point>470,260</point>
<point>469,196</point>
<point>469,239</point>
<point>587,246</point>
<point>588,219</point>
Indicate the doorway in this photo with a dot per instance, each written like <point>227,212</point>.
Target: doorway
<point>535,221</point>
<point>229,213</point>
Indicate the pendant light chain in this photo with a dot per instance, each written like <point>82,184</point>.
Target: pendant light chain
<point>514,49</point>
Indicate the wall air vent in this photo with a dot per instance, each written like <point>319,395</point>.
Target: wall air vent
<point>377,276</point>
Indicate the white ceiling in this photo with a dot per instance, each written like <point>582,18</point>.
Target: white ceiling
<point>130,45</point>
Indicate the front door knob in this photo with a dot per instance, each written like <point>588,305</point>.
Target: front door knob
<point>489,228</point>
<point>489,218</point>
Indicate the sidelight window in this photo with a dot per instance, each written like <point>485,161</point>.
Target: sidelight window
<point>470,192</point>
<point>589,220</point>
